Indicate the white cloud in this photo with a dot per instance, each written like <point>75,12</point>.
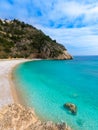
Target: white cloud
<point>78,40</point>
<point>70,9</point>
<point>73,10</point>
<point>73,23</point>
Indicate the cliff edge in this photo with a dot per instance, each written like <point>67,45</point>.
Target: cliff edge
<point>21,40</point>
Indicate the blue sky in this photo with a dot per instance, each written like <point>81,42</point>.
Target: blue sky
<point>73,23</point>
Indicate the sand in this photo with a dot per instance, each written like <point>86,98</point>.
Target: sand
<point>13,115</point>
<point>7,91</point>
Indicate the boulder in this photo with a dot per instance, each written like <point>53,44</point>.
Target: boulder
<point>71,107</point>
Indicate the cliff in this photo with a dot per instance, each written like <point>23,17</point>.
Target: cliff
<point>21,40</point>
<point>18,117</point>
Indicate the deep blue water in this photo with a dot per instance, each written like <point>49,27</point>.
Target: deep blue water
<point>46,85</point>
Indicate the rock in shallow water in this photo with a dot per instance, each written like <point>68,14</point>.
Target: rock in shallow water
<point>71,107</point>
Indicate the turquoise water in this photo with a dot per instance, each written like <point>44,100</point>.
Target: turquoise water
<point>48,84</point>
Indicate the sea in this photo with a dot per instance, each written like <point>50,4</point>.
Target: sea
<point>46,85</point>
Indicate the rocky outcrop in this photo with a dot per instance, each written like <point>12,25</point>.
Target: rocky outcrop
<point>18,117</point>
<point>21,40</point>
<point>71,107</point>
<point>65,56</point>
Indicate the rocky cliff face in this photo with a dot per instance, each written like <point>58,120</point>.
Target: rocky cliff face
<point>18,117</point>
<point>21,40</point>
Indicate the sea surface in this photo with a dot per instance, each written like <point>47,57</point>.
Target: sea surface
<point>46,85</point>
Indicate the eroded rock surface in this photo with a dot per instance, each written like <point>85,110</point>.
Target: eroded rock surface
<point>18,117</point>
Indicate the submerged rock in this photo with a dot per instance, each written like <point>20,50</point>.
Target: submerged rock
<point>71,107</point>
<point>18,117</point>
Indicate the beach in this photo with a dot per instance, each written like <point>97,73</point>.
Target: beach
<point>13,114</point>
<point>7,91</point>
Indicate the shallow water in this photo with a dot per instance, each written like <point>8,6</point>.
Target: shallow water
<point>48,84</point>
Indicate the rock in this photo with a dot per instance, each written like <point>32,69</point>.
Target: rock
<point>71,107</point>
<point>64,56</point>
<point>19,117</point>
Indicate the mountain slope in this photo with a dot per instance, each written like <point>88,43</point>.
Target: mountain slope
<point>21,40</point>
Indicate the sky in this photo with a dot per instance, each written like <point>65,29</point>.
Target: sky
<point>73,23</point>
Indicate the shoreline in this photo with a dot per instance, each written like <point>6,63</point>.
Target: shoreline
<point>15,92</point>
<point>14,113</point>
<point>16,95</point>
<point>7,87</point>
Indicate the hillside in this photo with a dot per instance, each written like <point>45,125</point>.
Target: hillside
<point>20,40</point>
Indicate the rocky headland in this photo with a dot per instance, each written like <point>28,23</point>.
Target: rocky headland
<point>21,40</point>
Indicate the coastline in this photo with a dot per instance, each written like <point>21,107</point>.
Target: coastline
<point>16,95</point>
<point>8,92</point>
<point>13,113</point>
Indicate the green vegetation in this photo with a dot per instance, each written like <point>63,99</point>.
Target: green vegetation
<point>18,39</point>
